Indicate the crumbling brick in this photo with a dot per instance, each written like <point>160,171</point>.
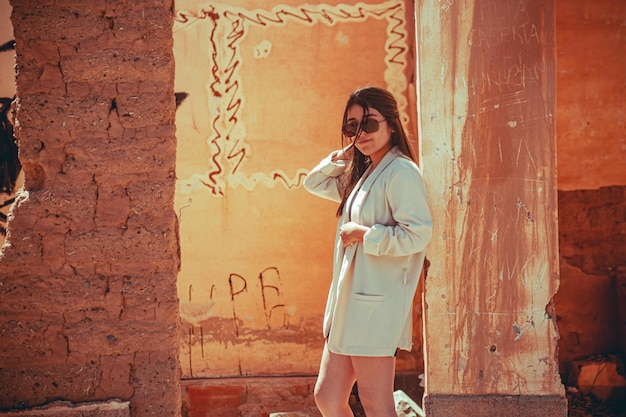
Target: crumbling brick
<point>88,301</point>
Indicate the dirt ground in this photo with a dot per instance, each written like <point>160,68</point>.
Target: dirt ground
<point>581,405</point>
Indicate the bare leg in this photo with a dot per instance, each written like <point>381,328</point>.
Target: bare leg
<point>334,385</point>
<point>375,376</point>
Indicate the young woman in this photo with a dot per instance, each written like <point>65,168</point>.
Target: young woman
<point>383,229</point>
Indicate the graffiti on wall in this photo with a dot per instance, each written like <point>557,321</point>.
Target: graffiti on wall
<point>229,143</point>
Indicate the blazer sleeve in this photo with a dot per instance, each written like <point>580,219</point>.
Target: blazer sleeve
<point>324,180</point>
<point>406,198</point>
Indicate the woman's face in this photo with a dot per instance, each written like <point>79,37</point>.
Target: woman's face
<point>373,144</point>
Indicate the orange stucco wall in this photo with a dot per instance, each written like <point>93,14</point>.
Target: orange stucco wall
<point>591,140</point>
<point>591,107</point>
<point>266,87</point>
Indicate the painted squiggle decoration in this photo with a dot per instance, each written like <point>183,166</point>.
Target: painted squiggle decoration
<point>228,147</point>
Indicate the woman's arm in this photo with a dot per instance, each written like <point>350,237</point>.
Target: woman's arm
<point>406,198</point>
<point>325,179</point>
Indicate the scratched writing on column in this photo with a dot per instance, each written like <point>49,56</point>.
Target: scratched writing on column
<point>507,75</point>
<point>509,25</point>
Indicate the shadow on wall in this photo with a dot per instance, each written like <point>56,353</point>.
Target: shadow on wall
<point>10,166</point>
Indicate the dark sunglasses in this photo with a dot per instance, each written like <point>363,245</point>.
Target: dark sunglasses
<point>367,125</point>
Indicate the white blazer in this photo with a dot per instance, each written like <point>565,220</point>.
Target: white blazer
<point>368,311</point>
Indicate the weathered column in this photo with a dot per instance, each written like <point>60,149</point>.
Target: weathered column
<point>487,102</point>
<point>88,301</point>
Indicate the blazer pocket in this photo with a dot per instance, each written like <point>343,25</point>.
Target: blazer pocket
<point>372,298</point>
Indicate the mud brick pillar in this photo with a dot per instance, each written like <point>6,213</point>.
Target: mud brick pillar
<point>487,104</point>
<point>88,302</point>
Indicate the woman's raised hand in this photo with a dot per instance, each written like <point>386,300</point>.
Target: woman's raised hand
<point>344,154</point>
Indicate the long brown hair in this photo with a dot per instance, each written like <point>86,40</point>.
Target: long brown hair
<point>383,101</point>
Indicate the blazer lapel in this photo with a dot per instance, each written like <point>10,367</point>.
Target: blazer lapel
<point>363,186</point>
